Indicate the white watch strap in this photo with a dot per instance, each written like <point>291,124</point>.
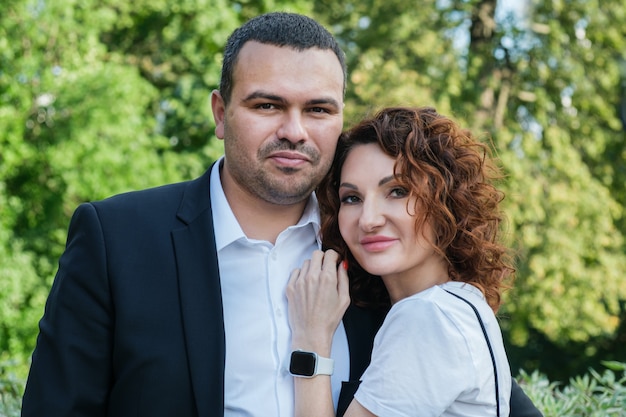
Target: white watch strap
<point>324,366</point>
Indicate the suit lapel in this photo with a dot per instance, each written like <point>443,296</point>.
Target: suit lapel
<point>200,297</point>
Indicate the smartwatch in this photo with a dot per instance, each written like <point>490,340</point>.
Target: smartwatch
<point>308,364</point>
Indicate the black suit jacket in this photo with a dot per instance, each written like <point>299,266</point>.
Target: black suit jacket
<point>133,324</point>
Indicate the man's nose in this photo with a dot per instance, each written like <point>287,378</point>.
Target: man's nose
<point>292,127</point>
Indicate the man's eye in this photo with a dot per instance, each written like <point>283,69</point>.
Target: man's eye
<point>319,110</point>
<point>266,106</point>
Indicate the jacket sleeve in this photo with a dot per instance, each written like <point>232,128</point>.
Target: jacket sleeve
<point>521,405</point>
<point>71,367</point>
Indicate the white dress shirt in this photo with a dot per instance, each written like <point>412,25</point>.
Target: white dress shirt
<point>254,275</point>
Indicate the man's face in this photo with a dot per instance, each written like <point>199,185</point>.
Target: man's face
<point>281,125</point>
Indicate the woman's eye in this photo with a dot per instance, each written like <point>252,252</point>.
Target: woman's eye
<point>399,192</point>
<point>349,199</point>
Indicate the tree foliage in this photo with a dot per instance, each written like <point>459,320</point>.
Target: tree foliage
<point>99,97</point>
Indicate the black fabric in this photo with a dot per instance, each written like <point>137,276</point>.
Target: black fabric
<point>521,405</point>
<point>361,326</point>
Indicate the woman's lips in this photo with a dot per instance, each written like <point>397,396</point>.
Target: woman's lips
<point>377,243</point>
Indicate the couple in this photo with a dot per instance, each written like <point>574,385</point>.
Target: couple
<point>171,301</point>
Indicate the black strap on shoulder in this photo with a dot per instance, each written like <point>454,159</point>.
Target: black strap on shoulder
<point>493,358</point>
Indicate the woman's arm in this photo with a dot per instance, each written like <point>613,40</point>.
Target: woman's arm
<point>318,297</point>
<point>357,410</point>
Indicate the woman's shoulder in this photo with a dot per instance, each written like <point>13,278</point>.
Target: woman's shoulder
<point>441,305</point>
<point>439,297</point>
<point>432,309</point>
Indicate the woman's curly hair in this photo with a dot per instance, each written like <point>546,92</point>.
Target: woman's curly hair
<point>450,176</point>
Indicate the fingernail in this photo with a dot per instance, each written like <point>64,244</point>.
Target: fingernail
<point>345,264</point>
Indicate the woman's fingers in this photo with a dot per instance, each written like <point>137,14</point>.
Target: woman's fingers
<point>318,297</point>
<point>343,283</point>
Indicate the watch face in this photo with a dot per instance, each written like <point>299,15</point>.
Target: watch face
<point>302,363</point>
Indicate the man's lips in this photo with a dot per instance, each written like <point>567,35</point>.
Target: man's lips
<point>290,159</point>
<point>377,243</point>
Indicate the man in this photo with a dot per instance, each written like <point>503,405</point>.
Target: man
<point>171,301</point>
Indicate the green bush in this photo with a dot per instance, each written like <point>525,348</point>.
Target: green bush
<point>590,395</point>
<point>11,388</point>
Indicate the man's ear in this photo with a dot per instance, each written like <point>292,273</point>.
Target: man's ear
<point>219,111</point>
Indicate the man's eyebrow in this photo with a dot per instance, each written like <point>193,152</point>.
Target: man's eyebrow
<point>324,100</point>
<point>273,97</point>
<point>263,95</point>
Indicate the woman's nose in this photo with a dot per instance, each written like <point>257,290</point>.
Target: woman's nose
<point>371,216</point>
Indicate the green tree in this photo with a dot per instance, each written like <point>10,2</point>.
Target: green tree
<point>543,83</point>
<point>80,121</point>
<point>96,98</point>
<point>549,98</point>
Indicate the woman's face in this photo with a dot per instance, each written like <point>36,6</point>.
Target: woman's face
<point>379,227</point>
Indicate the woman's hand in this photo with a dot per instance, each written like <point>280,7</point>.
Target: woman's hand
<point>318,297</point>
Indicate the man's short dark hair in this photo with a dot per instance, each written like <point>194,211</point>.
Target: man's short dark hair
<point>280,29</point>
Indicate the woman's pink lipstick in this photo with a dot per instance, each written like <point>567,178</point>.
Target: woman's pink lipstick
<point>377,243</point>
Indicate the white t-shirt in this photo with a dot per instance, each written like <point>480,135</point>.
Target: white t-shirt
<point>431,358</point>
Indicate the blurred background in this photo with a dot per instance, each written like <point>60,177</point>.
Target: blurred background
<point>99,97</point>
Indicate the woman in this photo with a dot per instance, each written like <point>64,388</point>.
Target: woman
<point>410,206</point>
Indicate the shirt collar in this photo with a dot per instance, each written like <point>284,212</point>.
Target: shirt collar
<point>226,227</point>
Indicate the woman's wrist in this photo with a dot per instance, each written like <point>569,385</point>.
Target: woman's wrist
<point>321,346</point>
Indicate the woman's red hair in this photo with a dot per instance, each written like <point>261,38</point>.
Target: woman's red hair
<point>451,176</point>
